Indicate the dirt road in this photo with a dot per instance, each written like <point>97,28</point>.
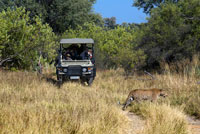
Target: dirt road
<point>137,124</point>
<point>194,125</point>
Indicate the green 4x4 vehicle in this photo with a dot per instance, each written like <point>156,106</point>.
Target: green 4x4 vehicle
<point>76,60</point>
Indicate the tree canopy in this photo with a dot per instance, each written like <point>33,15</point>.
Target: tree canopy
<point>148,5</point>
<point>110,23</point>
<point>172,32</point>
<point>59,14</point>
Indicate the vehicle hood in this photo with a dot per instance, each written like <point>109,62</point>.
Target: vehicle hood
<point>66,63</point>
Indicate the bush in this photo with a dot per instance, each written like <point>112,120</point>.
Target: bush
<point>23,39</point>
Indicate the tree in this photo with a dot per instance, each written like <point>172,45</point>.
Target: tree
<point>110,23</point>
<point>59,14</point>
<point>64,14</point>
<point>148,5</point>
<point>96,19</point>
<point>172,33</point>
<point>22,39</point>
<point>34,6</point>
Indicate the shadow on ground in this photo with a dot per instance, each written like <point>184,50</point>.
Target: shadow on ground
<point>49,79</point>
<point>53,81</point>
<point>59,84</point>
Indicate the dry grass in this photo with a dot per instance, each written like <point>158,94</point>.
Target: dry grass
<point>30,105</point>
<point>162,119</point>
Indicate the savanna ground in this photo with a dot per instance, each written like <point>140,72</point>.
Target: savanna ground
<point>33,104</point>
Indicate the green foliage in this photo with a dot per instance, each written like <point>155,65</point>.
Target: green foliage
<point>148,5</point>
<point>97,19</point>
<point>68,13</point>
<point>110,23</point>
<point>114,48</point>
<point>22,39</point>
<point>59,14</point>
<point>34,6</point>
<point>172,33</point>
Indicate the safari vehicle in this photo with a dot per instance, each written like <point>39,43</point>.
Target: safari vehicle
<point>76,60</point>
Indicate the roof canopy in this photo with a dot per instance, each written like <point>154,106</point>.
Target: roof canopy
<point>76,41</point>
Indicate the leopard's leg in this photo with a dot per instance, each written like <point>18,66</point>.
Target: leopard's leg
<point>128,102</point>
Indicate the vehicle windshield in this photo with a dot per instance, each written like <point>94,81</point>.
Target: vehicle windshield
<point>77,51</point>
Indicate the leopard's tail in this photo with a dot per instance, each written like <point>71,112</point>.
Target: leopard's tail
<point>123,105</point>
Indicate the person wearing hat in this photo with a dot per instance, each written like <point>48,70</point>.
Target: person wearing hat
<point>68,57</point>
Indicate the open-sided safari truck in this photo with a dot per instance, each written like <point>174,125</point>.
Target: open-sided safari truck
<point>76,60</point>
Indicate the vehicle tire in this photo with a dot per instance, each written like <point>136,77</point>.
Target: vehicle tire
<point>60,81</point>
<point>89,81</point>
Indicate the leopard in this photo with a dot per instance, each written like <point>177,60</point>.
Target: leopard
<point>144,94</point>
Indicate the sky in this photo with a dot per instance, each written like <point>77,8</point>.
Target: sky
<point>121,9</point>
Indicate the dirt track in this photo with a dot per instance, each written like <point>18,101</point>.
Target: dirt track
<point>194,125</point>
<point>137,124</point>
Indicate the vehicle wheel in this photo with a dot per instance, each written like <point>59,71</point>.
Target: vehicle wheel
<point>60,81</point>
<point>89,81</point>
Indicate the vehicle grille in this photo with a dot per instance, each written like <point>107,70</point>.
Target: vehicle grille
<point>74,70</point>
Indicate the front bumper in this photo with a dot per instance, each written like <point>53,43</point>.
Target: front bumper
<point>70,71</point>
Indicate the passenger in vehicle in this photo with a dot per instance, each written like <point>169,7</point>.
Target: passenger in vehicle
<point>90,54</point>
<point>84,55</point>
<point>74,51</point>
<point>74,54</point>
<point>67,54</point>
<point>82,48</point>
<point>68,57</point>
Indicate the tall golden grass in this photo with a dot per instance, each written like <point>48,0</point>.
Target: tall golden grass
<point>29,104</point>
<point>162,119</point>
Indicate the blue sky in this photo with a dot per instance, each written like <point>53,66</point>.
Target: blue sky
<point>121,9</point>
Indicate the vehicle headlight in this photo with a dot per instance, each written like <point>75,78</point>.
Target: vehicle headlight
<point>84,69</point>
<point>65,70</point>
<point>90,69</point>
<point>59,69</point>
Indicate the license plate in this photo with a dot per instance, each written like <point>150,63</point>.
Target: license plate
<point>74,77</point>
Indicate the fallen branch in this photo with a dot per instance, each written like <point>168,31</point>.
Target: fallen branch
<point>150,74</point>
<point>15,55</point>
<point>4,60</point>
<point>152,77</point>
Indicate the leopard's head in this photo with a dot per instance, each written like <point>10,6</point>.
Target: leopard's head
<point>163,93</point>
